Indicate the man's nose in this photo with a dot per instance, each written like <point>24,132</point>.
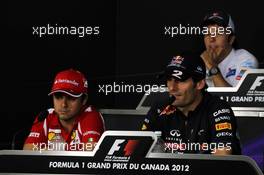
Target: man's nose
<point>211,38</point>
<point>64,101</point>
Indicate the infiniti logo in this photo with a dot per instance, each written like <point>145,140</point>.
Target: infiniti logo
<point>176,133</point>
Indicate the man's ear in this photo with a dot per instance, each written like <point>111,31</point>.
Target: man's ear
<point>231,39</point>
<point>200,84</point>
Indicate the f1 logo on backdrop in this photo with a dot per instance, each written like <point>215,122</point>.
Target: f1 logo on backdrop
<point>116,146</point>
<point>259,82</point>
<point>128,149</point>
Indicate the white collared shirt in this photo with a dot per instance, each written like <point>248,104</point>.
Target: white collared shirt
<point>234,65</point>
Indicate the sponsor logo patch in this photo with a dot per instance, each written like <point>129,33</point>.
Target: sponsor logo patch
<point>240,74</point>
<point>51,136</point>
<point>224,134</point>
<point>176,133</point>
<point>230,72</point>
<point>222,126</point>
<point>144,127</point>
<point>90,139</point>
<point>221,111</point>
<point>218,119</point>
<point>91,132</point>
<point>73,135</point>
<point>34,134</point>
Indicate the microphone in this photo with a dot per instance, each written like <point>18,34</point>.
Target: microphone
<point>172,98</point>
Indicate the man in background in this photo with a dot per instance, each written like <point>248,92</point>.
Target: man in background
<point>225,65</point>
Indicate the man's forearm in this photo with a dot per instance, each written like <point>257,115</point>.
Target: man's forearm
<point>219,81</point>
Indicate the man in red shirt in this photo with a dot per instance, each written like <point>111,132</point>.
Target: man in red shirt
<point>71,125</point>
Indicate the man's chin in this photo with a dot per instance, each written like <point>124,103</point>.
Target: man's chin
<point>177,103</point>
<point>65,118</point>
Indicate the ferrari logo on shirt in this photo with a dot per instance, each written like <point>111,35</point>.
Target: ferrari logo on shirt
<point>221,126</point>
<point>73,135</point>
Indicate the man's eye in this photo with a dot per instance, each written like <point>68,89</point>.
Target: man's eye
<point>71,98</point>
<point>58,95</point>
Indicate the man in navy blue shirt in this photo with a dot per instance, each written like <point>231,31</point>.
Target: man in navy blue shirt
<point>195,121</point>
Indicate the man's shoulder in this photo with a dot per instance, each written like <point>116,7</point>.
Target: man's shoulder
<point>242,52</point>
<point>91,118</point>
<point>242,55</point>
<point>90,112</point>
<point>217,107</point>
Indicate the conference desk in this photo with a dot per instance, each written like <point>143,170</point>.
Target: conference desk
<point>63,162</point>
<point>111,156</point>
